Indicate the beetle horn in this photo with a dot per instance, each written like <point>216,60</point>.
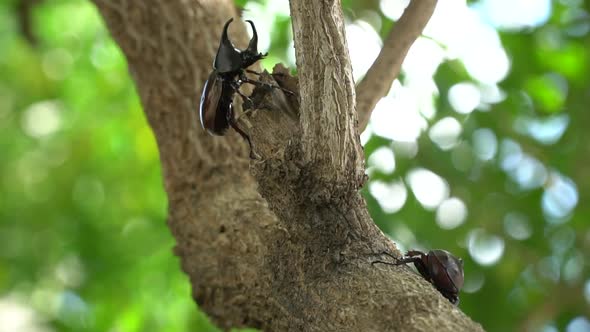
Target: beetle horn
<point>227,55</point>
<point>253,45</point>
<point>224,38</point>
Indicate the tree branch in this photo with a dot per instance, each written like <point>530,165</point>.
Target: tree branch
<point>386,67</point>
<point>259,251</point>
<point>330,144</point>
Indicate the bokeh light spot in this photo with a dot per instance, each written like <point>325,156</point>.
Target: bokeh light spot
<point>573,268</point>
<point>546,131</point>
<point>423,59</point>
<point>390,196</point>
<point>473,282</point>
<point>405,149</point>
<point>74,311</point>
<point>105,54</point>
<point>70,271</point>
<point>445,133</point>
<point>559,199</point>
<point>578,324</point>
<point>42,118</point>
<point>491,94</point>
<point>550,327</point>
<point>366,46</point>
<point>382,160</point>
<point>393,9</point>
<point>429,188</point>
<point>517,225</point>
<point>398,118</point>
<point>529,173</point>
<point>451,213</point>
<point>515,14</point>
<point>486,61</point>
<point>485,144</point>
<point>486,249</point>
<point>510,155</point>
<point>464,97</point>
<point>15,315</point>
<point>366,135</point>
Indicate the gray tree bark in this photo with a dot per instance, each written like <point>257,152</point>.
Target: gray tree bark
<point>284,243</point>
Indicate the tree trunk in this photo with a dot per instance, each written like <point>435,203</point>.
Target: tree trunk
<point>284,243</point>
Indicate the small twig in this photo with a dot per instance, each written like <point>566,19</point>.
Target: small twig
<point>386,67</point>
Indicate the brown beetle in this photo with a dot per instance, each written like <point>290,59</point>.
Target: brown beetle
<point>216,106</point>
<point>216,110</point>
<point>439,267</point>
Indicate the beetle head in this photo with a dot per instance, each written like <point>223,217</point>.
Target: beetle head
<point>251,55</point>
<point>455,272</point>
<point>453,298</point>
<point>228,58</point>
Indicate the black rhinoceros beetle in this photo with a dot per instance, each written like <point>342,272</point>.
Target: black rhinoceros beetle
<point>439,267</point>
<point>216,106</point>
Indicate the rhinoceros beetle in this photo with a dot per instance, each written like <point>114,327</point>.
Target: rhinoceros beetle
<point>216,106</point>
<point>439,267</point>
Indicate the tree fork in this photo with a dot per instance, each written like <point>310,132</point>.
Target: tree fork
<point>284,244</point>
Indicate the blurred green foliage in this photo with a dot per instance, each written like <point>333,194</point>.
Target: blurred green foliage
<point>81,190</point>
<point>82,207</point>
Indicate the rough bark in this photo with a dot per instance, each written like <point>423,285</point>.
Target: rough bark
<point>284,243</point>
<point>328,118</point>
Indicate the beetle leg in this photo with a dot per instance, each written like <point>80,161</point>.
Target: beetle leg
<point>253,72</point>
<point>258,74</point>
<point>421,267</point>
<point>388,254</point>
<point>259,83</point>
<point>233,124</point>
<point>235,85</point>
<point>246,137</point>
<point>383,262</point>
<point>406,260</point>
<point>248,103</point>
<point>420,260</point>
<point>413,253</point>
<point>418,263</point>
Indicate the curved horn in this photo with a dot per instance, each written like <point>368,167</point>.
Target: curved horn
<point>253,45</point>
<point>224,38</point>
<point>228,59</point>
